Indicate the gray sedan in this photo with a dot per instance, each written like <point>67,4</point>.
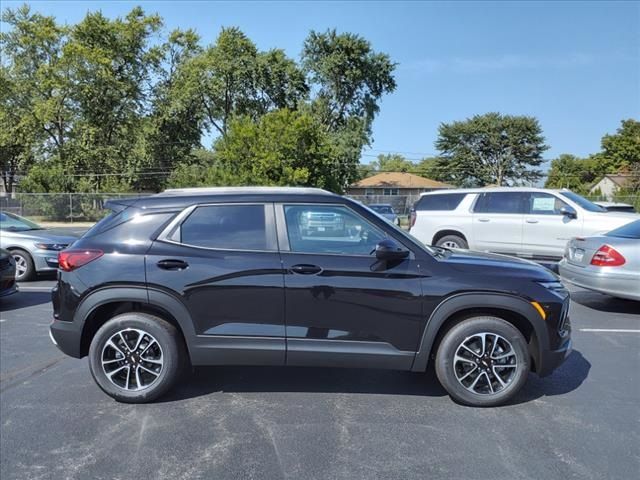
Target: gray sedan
<point>608,263</point>
<point>385,210</point>
<point>34,248</point>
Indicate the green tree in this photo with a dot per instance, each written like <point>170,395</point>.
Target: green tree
<point>621,151</point>
<point>577,174</point>
<point>393,162</point>
<point>351,77</point>
<point>490,149</point>
<point>283,147</point>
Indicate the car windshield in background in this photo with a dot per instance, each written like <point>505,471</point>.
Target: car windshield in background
<point>583,202</point>
<point>14,223</point>
<point>382,209</point>
<point>630,230</point>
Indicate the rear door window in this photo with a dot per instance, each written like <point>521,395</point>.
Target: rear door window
<point>501,202</point>
<point>442,201</point>
<point>227,227</point>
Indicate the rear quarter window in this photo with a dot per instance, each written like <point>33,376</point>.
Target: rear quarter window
<point>442,201</point>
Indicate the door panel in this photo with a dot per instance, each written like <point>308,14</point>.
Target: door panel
<point>228,293</point>
<point>546,231</point>
<point>498,222</point>
<point>348,308</point>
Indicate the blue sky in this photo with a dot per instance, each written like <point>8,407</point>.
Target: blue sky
<point>574,65</point>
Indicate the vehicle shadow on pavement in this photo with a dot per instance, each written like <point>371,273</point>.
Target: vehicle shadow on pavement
<point>206,380</point>
<point>567,378</point>
<point>23,300</point>
<point>605,303</point>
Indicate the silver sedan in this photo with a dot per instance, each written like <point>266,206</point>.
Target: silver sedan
<point>34,248</point>
<point>608,263</point>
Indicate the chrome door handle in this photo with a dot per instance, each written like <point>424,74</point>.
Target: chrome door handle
<point>532,220</point>
<point>483,219</point>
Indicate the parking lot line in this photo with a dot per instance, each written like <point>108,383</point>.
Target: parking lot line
<point>609,330</point>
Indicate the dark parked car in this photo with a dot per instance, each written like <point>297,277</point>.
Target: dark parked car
<point>229,277</point>
<point>387,211</point>
<point>7,273</point>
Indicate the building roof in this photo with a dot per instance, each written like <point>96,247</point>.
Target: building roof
<point>398,180</point>
<point>620,179</point>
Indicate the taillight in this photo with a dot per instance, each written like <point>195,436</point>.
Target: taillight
<point>69,260</point>
<point>412,220</point>
<point>607,256</point>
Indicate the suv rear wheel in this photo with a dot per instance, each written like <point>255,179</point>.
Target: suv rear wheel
<point>136,357</point>
<point>482,361</point>
<point>452,241</point>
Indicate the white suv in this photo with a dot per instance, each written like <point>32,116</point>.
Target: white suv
<point>534,223</point>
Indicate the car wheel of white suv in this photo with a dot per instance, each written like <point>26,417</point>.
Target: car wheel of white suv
<point>452,241</point>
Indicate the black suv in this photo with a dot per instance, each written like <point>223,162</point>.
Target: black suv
<point>233,276</point>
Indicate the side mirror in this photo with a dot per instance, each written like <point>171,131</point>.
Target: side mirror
<point>568,212</point>
<point>388,249</point>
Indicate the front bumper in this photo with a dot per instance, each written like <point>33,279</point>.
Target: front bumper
<point>45,260</point>
<point>601,280</point>
<point>552,359</point>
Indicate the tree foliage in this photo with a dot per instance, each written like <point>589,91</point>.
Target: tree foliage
<point>112,106</point>
<point>490,149</point>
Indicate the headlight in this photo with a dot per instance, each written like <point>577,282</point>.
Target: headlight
<point>51,246</point>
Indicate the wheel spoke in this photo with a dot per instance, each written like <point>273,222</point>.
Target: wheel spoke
<point>126,345</point>
<point>495,374</point>
<point>107,362</point>
<point>147,347</point>
<point>458,358</point>
<point>126,385</point>
<point>147,370</point>
<point>157,362</point>
<point>111,374</point>
<point>115,347</point>
<point>469,350</point>
<point>489,381</point>
<point>468,373</point>
<point>138,377</point>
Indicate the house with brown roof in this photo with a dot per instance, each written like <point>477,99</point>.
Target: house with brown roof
<point>610,184</point>
<point>395,183</point>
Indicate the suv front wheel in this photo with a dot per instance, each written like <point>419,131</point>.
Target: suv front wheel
<point>482,361</point>
<point>136,357</point>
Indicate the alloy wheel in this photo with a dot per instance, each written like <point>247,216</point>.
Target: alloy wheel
<point>22,266</point>
<point>485,363</point>
<point>132,359</point>
<point>450,244</point>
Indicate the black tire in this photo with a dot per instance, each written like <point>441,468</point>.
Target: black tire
<point>26,260</point>
<point>448,241</point>
<point>445,368</point>
<point>172,350</point>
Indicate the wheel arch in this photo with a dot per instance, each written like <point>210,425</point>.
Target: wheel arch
<point>100,306</point>
<point>459,307</point>
<point>444,232</point>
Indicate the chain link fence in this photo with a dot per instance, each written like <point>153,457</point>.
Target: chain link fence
<point>60,207</point>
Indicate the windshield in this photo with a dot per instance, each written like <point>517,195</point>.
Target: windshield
<point>630,230</point>
<point>583,202</point>
<point>14,223</point>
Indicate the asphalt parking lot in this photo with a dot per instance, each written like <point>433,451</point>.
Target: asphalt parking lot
<point>270,423</point>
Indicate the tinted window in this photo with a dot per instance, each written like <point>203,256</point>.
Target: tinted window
<point>630,230</point>
<point>545,204</point>
<point>583,202</point>
<point>9,221</point>
<point>234,227</point>
<point>329,229</point>
<point>501,202</point>
<point>443,201</point>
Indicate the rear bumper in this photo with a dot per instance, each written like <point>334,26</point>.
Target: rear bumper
<point>66,336</point>
<point>601,280</point>
<point>552,359</point>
